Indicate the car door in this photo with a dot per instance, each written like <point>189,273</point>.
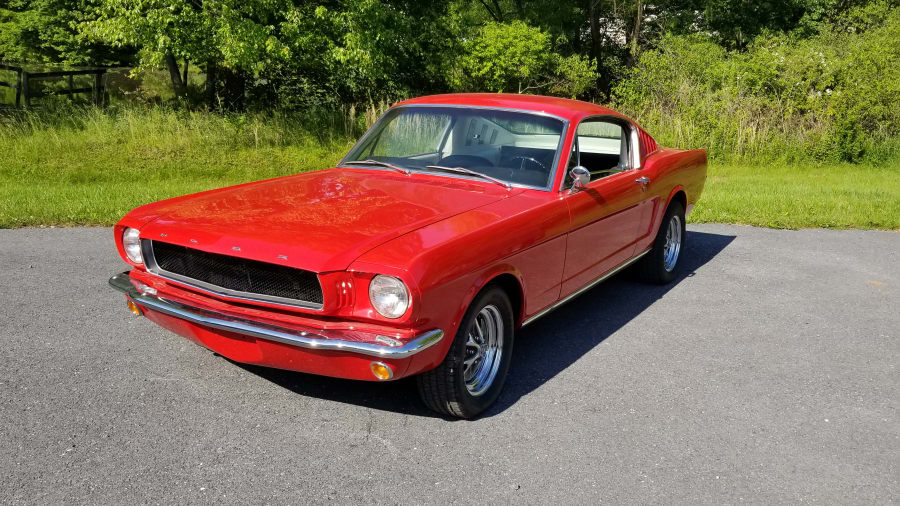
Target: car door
<point>606,215</point>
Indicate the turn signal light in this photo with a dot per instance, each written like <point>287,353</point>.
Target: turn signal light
<point>134,308</point>
<point>381,370</point>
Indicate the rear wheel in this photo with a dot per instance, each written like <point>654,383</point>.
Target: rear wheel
<point>660,265</point>
<point>472,374</point>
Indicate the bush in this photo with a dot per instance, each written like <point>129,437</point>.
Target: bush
<point>834,96</point>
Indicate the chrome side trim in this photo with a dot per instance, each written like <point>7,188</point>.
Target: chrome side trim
<point>315,340</point>
<point>586,287</point>
<point>155,269</point>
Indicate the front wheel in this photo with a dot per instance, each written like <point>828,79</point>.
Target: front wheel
<point>472,374</point>
<point>661,263</point>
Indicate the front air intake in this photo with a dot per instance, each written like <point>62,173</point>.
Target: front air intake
<point>234,276</point>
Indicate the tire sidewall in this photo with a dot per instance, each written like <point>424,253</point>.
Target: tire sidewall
<point>475,404</point>
<point>659,254</point>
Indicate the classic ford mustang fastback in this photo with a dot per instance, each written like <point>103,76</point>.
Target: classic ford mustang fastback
<point>455,220</point>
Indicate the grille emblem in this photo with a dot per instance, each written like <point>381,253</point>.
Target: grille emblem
<point>194,241</point>
<point>163,234</point>
<point>283,257</point>
<point>236,248</point>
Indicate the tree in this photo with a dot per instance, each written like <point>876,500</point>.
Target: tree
<point>736,22</point>
<point>46,31</point>
<point>216,33</point>
<point>351,50</point>
<point>515,57</point>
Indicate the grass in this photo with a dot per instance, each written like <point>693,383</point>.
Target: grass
<point>802,196</point>
<point>93,168</point>
<point>90,167</point>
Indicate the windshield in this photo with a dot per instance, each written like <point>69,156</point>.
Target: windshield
<point>513,147</point>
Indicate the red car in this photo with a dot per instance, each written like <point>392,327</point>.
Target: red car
<point>455,220</point>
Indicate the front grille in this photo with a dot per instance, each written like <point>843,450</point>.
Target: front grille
<point>237,276</point>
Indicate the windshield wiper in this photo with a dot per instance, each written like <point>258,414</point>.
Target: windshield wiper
<point>463,170</point>
<point>380,164</point>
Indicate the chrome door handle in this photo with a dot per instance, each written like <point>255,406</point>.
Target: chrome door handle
<point>642,180</point>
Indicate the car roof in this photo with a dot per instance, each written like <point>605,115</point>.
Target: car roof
<point>572,110</point>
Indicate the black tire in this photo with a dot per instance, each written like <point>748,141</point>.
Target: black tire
<point>653,267</point>
<point>445,388</point>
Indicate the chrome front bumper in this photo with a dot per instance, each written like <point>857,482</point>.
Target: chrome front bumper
<point>313,339</point>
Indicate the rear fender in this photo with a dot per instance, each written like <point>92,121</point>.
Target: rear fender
<point>661,211</point>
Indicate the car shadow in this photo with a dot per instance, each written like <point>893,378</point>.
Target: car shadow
<point>538,356</point>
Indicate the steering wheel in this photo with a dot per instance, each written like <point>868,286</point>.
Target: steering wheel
<point>528,159</point>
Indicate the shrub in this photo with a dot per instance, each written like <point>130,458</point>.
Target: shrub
<point>833,96</point>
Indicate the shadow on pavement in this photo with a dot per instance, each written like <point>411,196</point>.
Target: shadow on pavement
<point>543,349</point>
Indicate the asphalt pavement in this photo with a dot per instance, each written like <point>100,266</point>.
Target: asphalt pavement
<point>767,373</point>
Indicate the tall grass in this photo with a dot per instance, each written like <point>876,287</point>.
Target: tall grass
<point>736,128</point>
<point>828,98</point>
<point>70,165</point>
<point>83,165</point>
<point>86,144</point>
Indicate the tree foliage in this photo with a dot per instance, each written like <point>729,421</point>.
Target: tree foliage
<point>515,57</point>
<point>296,52</point>
<point>46,31</point>
<point>308,53</point>
<point>835,95</point>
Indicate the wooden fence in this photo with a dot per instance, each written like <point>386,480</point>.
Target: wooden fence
<point>25,78</point>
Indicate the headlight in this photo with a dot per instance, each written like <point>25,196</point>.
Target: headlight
<point>389,296</point>
<point>132,244</point>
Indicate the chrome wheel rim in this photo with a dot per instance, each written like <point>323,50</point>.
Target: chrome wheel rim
<point>484,349</point>
<point>673,243</point>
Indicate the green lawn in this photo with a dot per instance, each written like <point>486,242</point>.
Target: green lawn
<point>94,168</point>
<point>112,184</point>
<point>842,196</point>
<point>779,196</point>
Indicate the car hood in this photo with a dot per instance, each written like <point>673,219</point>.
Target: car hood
<point>319,221</point>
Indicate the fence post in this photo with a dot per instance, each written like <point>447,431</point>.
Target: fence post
<point>71,88</point>
<point>26,96</point>
<point>98,88</point>
<point>18,88</point>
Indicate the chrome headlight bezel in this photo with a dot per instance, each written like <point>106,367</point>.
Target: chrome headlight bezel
<point>131,243</point>
<point>389,296</point>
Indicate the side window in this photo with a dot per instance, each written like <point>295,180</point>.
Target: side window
<point>602,147</point>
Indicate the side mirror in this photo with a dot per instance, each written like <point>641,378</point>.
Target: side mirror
<point>580,178</point>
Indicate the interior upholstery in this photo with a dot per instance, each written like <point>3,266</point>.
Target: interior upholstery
<point>600,164</point>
